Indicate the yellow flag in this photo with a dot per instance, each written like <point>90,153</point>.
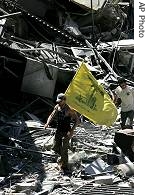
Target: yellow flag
<point>88,97</point>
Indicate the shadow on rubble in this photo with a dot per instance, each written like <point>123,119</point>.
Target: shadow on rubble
<point>19,155</point>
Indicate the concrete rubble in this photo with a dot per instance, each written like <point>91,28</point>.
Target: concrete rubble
<point>42,43</point>
<point>29,166</point>
<point>51,49</point>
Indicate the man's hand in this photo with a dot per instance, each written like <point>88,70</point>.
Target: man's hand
<point>70,134</point>
<point>118,102</point>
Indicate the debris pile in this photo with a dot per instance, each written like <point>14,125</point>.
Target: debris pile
<point>42,44</point>
<point>29,165</point>
<point>51,43</point>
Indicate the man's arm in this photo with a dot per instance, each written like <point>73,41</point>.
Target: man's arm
<point>51,116</point>
<point>116,99</point>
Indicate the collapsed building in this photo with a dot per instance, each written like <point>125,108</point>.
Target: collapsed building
<point>51,41</point>
<point>42,43</point>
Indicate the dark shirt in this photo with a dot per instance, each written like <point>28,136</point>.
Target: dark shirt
<point>63,120</point>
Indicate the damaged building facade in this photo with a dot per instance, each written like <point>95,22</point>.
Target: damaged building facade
<point>42,44</point>
<point>44,33</point>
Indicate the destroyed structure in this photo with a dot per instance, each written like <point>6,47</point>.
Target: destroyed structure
<point>42,43</point>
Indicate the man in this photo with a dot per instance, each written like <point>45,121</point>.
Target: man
<point>125,94</point>
<point>67,120</point>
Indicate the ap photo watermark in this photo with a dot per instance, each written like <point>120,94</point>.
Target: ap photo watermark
<point>141,19</point>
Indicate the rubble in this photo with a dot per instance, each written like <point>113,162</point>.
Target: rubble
<point>40,51</point>
<point>29,156</point>
<point>37,170</point>
<point>36,40</point>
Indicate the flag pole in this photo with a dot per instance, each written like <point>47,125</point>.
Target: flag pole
<point>93,24</point>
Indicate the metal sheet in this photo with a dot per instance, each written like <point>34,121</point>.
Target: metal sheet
<point>104,190</point>
<point>87,3</point>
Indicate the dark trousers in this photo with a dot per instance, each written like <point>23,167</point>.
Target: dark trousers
<point>124,116</point>
<point>61,145</point>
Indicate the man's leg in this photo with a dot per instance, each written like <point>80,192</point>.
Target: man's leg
<point>123,119</point>
<point>57,143</point>
<point>131,116</point>
<point>64,152</point>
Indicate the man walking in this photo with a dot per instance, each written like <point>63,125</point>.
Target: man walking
<point>67,120</point>
<point>125,94</point>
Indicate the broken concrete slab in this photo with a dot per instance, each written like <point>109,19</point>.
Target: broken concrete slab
<point>104,179</point>
<point>126,169</point>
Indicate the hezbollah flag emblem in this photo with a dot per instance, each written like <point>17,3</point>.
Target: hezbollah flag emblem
<point>88,97</point>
